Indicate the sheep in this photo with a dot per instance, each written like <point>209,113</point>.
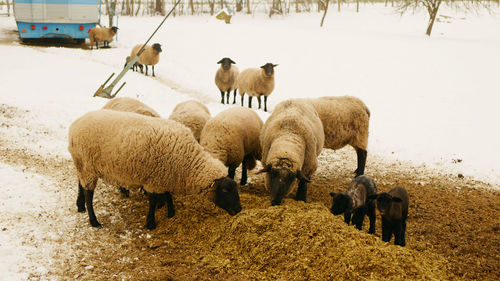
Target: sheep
<point>150,55</point>
<point>225,78</point>
<point>129,149</point>
<point>345,121</point>
<point>130,105</point>
<point>393,208</point>
<point>256,83</point>
<point>102,34</point>
<point>291,140</point>
<point>191,114</point>
<point>232,136</point>
<point>135,67</point>
<point>356,201</point>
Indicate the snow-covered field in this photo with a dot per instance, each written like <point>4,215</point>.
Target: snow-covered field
<point>433,100</point>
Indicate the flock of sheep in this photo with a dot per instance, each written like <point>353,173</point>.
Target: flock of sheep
<point>129,145</point>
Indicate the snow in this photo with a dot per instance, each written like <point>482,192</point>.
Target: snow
<point>433,100</point>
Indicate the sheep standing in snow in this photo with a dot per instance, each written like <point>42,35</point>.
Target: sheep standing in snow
<point>102,34</point>
<point>225,79</point>
<point>135,67</point>
<point>256,83</point>
<point>132,150</point>
<point>232,136</point>
<point>191,114</point>
<point>130,105</point>
<point>150,55</point>
<point>345,121</point>
<point>393,208</point>
<point>356,201</point>
<point>291,140</point>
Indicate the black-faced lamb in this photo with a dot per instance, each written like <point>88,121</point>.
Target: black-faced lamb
<point>393,208</point>
<point>256,82</point>
<point>345,121</point>
<point>132,150</point>
<point>102,34</point>
<point>226,78</point>
<point>355,201</point>
<point>232,136</point>
<point>191,114</point>
<point>150,55</point>
<point>291,140</point>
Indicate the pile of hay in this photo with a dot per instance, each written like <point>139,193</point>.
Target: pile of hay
<point>294,241</point>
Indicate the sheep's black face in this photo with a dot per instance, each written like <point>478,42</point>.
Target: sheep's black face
<point>384,202</point>
<point>280,181</point>
<point>341,203</point>
<point>115,29</point>
<point>269,69</point>
<point>226,63</point>
<point>157,47</point>
<point>226,195</point>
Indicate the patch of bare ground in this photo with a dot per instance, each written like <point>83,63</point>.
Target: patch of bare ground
<point>453,230</point>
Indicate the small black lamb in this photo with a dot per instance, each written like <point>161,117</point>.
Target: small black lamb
<point>393,207</point>
<point>356,200</point>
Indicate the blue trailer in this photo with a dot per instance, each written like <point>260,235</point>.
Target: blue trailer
<point>56,18</point>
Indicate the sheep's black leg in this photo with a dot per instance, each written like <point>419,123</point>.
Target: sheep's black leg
<point>242,98</point>
<point>386,230</point>
<point>250,101</point>
<point>89,197</point>
<point>154,198</point>
<point>170,205</point>
<point>372,216</point>
<point>125,192</point>
<point>258,98</point>
<point>243,180</point>
<point>347,217</point>
<point>359,217</point>
<point>80,201</point>
<point>361,161</point>
<point>403,233</point>
<point>228,94</point>
<point>397,229</point>
<point>153,67</point>
<point>265,103</point>
<point>234,100</point>
<point>146,69</point>
<point>97,45</point>
<point>231,171</point>
<point>301,194</point>
<point>222,96</point>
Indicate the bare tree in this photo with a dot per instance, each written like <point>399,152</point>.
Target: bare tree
<point>111,10</point>
<point>432,7</point>
<point>324,14</point>
<point>159,8</point>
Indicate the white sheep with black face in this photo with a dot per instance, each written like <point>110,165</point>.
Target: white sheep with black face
<point>150,55</point>
<point>132,150</point>
<point>102,34</point>
<point>226,78</point>
<point>291,140</point>
<point>257,82</point>
<point>192,114</point>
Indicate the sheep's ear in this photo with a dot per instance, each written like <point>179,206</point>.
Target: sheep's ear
<point>397,200</point>
<point>230,60</point>
<point>262,66</point>
<point>266,169</point>
<point>274,65</point>
<point>219,62</point>
<point>301,176</point>
<point>333,194</point>
<point>373,196</point>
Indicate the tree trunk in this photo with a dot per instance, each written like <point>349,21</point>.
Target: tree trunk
<point>338,5</point>
<point>138,8</point>
<point>324,14</point>
<point>109,11</point>
<point>357,6</point>
<point>191,5</point>
<point>248,7</point>
<point>159,7</point>
<point>432,17</point>
<point>221,4</point>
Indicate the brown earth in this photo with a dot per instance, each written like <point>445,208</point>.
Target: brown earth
<point>453,230</point>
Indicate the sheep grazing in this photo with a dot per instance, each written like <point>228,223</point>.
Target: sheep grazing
<point>135,67</point>
<point>232,136</point>
<point>345,121</point>
<point>291,140</point>
<point>355,200</point>
<point>130,105</point>
<point>132,150</point>
<point>191,114</point>
<point>225,79</point>
<point>393,208</point>
<point>101,34</point>
<point>256,83</point>
<point>150,55</point>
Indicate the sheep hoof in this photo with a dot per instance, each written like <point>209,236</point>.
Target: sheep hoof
<point>243,182</point>
<point>125,192</point>
<point>170,214</point>
<point>371,231</point>
<point>151,225</point>
<point>81,209</point>
<point>95,223</point>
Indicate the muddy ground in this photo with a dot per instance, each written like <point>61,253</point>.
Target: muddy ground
<point>453,228</point>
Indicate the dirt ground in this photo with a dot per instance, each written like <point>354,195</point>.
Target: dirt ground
<point>453,229</point>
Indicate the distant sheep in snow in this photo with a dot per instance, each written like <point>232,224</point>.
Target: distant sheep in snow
<point>150,55</point>
<point>226,78</point>
<point>256,83</point>
<point>102,34</point>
